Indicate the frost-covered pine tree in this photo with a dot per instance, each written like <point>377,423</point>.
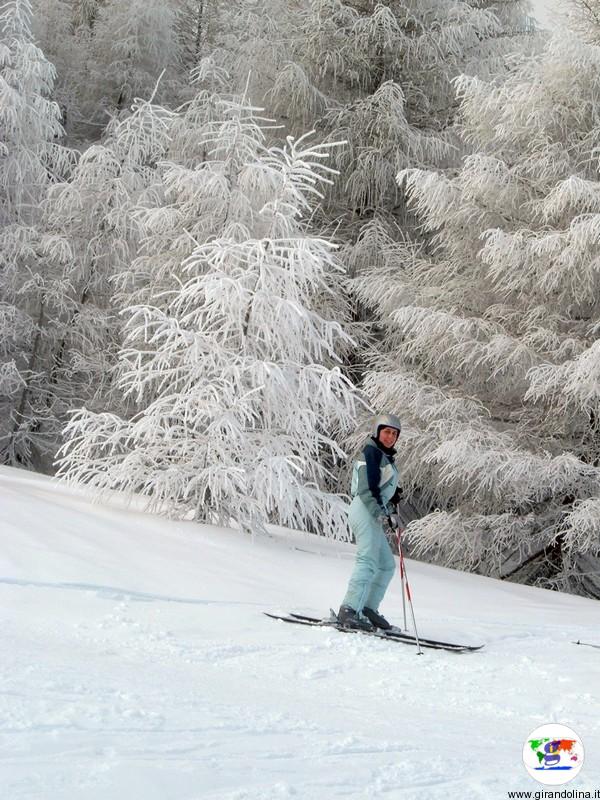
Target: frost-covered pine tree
<point>30,129</point>
<point>109,52</point>
<point>66,242</point>
<point>85,12</point>
<point>91,237</point>
<point>234,373</point>
<point>378,75</point>
<point>133,43</point>
<point>31,159</point>
<point>171,225</point>
<point>491,330</point>
<point>199,30</point>
<point>583,18</point>
<point>65,43</point>
<point>242,38</point>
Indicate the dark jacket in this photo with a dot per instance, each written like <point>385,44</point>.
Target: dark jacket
<point>375,478</point>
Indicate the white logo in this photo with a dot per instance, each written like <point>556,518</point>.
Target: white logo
<point>553,754</point>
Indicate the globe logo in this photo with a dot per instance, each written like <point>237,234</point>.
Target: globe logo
<point>553,754</point>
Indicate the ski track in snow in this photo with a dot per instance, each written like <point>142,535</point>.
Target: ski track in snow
<point>137,664</point>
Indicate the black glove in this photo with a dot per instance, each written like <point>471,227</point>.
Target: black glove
<point>394,522</point>
<point>390,523</point>
<point>397,497</point>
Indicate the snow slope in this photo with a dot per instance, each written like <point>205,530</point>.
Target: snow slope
<point>137,665</point>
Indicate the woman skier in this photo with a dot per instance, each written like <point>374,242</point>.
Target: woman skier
<point>374,490</point>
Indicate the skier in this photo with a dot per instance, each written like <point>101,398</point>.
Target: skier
<point>374,490</point>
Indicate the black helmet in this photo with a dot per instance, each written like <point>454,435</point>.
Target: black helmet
<point>386,421</point>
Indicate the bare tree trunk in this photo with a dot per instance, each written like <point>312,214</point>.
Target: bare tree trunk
<point>200,30</point>
<point>32,360</point>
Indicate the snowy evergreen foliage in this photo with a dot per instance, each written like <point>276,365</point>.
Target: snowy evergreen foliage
<point>61,331</point>
<point>108,52</point>
<point>377,74</point>
<point>234,373</point>
<point>31,159</point>
<point>199,30</point>
<point>583,18</point>
<point>134,42</point>
<point>92,237</point>
<point>492,330</point>
<point>63,29</point>
<point>29,120</point>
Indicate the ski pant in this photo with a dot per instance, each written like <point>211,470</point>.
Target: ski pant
<point>375,564</point>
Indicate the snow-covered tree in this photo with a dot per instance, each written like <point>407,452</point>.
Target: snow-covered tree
<point>582,17</point>
<point>92,237</point>
<point>199,30</point>
<point>234,373</point>
<point>30,128</point>
<point>377,74</point>
<point>85,12</point>
<point>109,52</point>
<point>63,29</point>
<point>171,227</point>
<point>133,43</point>
<point>491,330</point>
<point>65,242</point>
<point>31,159</point>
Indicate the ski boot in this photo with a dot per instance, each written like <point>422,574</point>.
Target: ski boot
<point>348,618</point>
<point>376,619</point>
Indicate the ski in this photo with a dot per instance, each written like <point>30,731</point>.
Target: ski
<point>390,637</point>
<point>588,644</point>
<point>398,633</point>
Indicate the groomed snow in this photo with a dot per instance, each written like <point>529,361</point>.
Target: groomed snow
<point>137,665</point>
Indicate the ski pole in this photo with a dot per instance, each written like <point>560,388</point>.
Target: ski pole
<point>401,568</point>
<point>406,585</point>
<point>405,628</point>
